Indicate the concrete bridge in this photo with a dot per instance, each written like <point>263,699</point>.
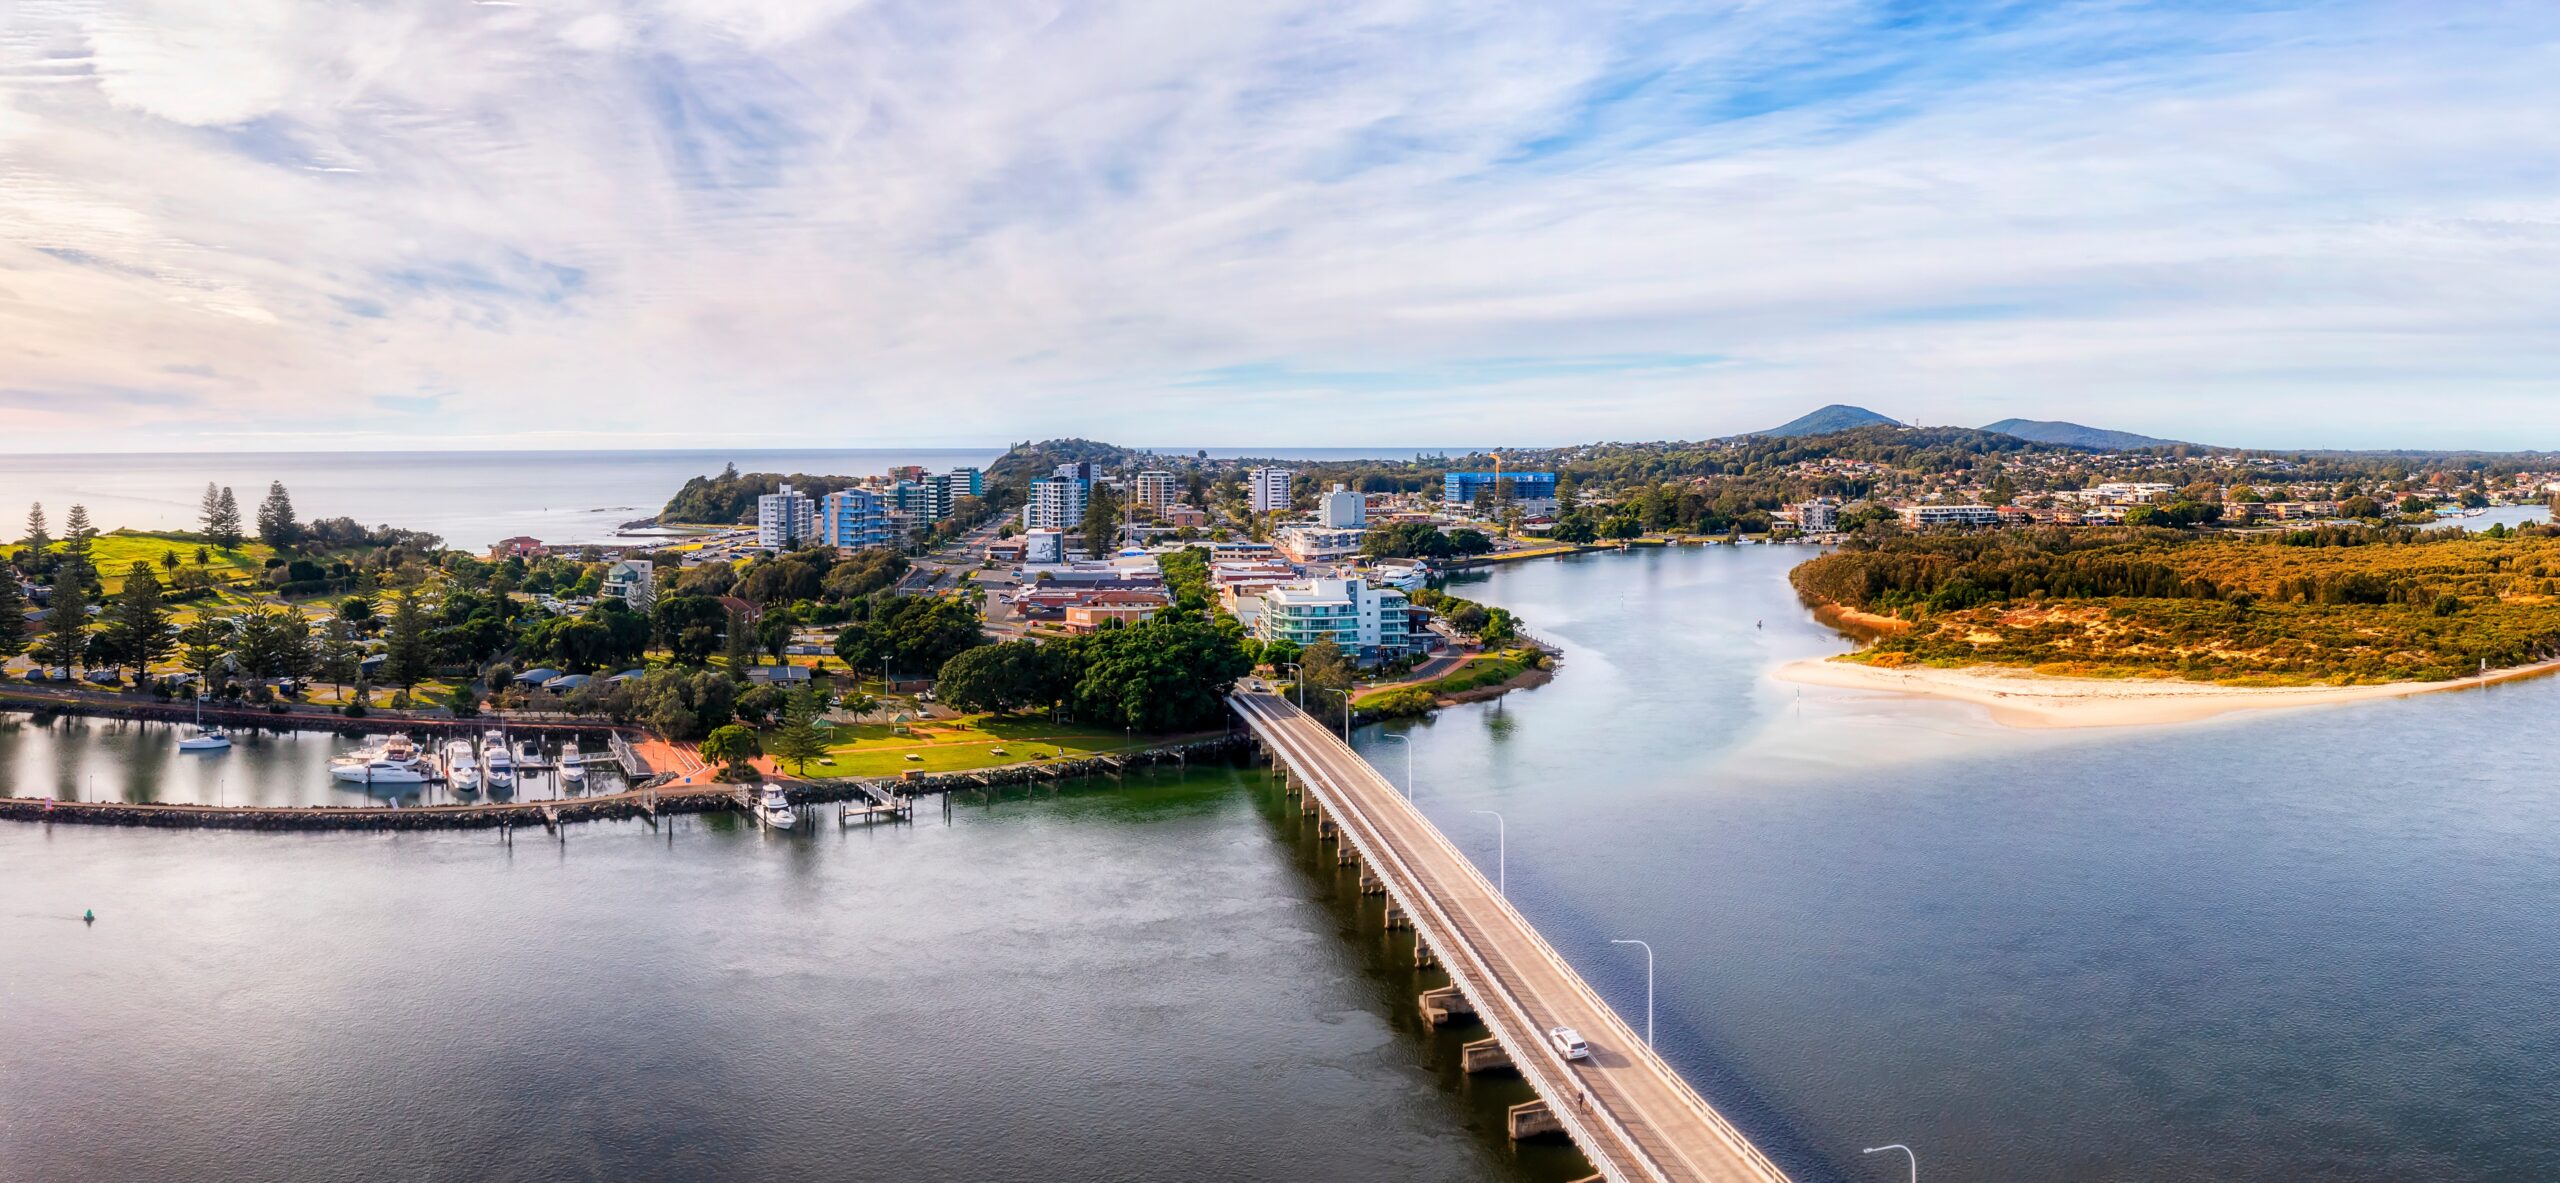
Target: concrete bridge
<point>1629,1113</point>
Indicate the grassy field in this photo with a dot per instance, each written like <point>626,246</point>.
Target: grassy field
<point>963,744</point>
<point>1478,672</point>
<point>115,553</point>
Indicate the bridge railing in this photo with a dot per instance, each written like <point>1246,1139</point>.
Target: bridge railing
<point>1463,963</point>
<point>1743,1145</point>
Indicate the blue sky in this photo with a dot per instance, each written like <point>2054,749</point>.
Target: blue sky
<point>544,223</point>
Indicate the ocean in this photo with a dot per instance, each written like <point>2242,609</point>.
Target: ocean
<point>472,499</point>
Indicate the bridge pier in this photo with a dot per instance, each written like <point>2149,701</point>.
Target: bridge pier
<point>1422,958</point>
<point>1370,884</point>
<point>1396,918</point>
<point>1532,1119</point>
<point>1444,1005</point>
<point>1483,1055</point>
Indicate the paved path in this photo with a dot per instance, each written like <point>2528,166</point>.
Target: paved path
<point>1633,1116</point>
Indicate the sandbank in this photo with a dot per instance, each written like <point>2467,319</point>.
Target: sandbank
<point>2024,698</point>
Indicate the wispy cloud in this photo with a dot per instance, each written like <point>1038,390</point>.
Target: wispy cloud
<point>871,221</point>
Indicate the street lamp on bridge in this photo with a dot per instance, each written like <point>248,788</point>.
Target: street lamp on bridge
<point>1915,1159</point>
<point>1648,988</point>
<point>1501,853</point>
<point>1407,741</point>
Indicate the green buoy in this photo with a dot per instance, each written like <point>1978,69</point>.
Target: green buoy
<point>88,916</point>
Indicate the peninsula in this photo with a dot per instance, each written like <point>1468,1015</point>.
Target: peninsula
<point>2150,625</point>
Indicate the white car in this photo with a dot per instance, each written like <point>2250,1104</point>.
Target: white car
<point>1569,1044</point>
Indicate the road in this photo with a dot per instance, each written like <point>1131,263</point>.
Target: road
<point>1631,1114</point>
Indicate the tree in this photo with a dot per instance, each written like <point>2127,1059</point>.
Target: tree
<point>78,536</point>
<point>39,539</point>
<point>201,648</point>
<point>221,513</point>
<point>408,653</point>
<point>734,747</point>
<point>688,626</point>
<point>912,633</point>
<point>276,526</point>
<point>1326,669</point>
<point>684,706</point>
<point>1102,520</point>
<point>738,645</point>
<point>356,610</point>
<point>275,642</point>
<point>798,739</point>
<point>338,661</point>
<point>138,625</point>
<point>1168,674</point>
<point>1000,678</point>
<point>13,616</point>
<point>1469,542</point>
<point>65,639</point>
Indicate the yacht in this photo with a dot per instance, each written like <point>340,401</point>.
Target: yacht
<point>529,754</point>
<point>203,739</point>
<point>394,761</point>
<point>774,809</point>
<point>460,770</point>
<point>573,764</point>
<point>497,768</point>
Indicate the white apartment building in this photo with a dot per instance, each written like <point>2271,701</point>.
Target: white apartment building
<point>1316,544</point>
<point>1372,623</point>
<point>785,519</point>
<point>632,581</point>
<point>1818,516</point>
<point>1268,488</point>
<point>1918,516</point>
<point>1044,546</point>
<point>2130,492</point>
<point>1342,509</point>
<point>1057,503</point>
<point>1155,489</point>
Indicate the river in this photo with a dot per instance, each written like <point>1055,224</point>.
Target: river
<point>2307,945</point>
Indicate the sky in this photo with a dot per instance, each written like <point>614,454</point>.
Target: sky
<point>286,224</point>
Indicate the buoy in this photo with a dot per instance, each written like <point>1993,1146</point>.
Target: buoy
<point>88,916</point>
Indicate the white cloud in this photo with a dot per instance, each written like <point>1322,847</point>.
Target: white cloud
<point>954,221</point>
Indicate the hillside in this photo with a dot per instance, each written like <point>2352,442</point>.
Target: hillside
<point>2056,431</point>
<point>1836,417</point>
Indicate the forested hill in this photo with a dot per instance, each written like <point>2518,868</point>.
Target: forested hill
<point>730,497</point>
<point>2055,431</point>
<point>1024,461</point>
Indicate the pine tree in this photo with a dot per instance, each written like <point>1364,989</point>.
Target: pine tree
<point>39,539</point>
<point>13,616</point>
<point>276,526</point>
<point>77,537</point>
<point>66,622</point>
<point>798,739</point>
<point>138,624</point>
<point>201,648</point>
<point>209,510</point>
<point>740,649</point>
<point>339,662</point>
<point>407,656</point>
<point>222,521</point>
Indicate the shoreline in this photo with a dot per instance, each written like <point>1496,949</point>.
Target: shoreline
<point>2025,699</point>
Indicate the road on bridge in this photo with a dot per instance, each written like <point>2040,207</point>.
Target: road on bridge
<point>1642,1121</point>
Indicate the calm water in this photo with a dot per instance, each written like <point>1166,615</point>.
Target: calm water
<point>1152,982</point>
<point>2309,946</point>
<point>80,759</point>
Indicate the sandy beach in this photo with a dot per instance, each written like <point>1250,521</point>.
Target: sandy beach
<point>2021,698</point>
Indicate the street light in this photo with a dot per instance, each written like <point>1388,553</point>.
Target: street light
<point>1300,681</point>
<point>1407,741</point>
<point>1501,853</point>
<point>1648,988</point>
<point>1915,1159</point>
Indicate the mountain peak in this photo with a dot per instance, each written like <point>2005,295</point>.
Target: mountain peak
<point>1836,417</point>
<point>2055,431</point>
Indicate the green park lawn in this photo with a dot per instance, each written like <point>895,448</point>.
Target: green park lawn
<point>963,744</point>
<point>116,552</point>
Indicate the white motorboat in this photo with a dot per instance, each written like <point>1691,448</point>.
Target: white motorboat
<point>497,768</point>
<point>529,754</point>
<point>204,739</point>
<point>573,764</point>
<point>461,771</point>
<point>774,809</point>
<point>394,761</point>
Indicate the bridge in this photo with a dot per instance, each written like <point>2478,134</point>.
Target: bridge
<point>1628,1112</point>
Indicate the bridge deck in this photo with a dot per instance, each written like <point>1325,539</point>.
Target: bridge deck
<point>1633,1116</point>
